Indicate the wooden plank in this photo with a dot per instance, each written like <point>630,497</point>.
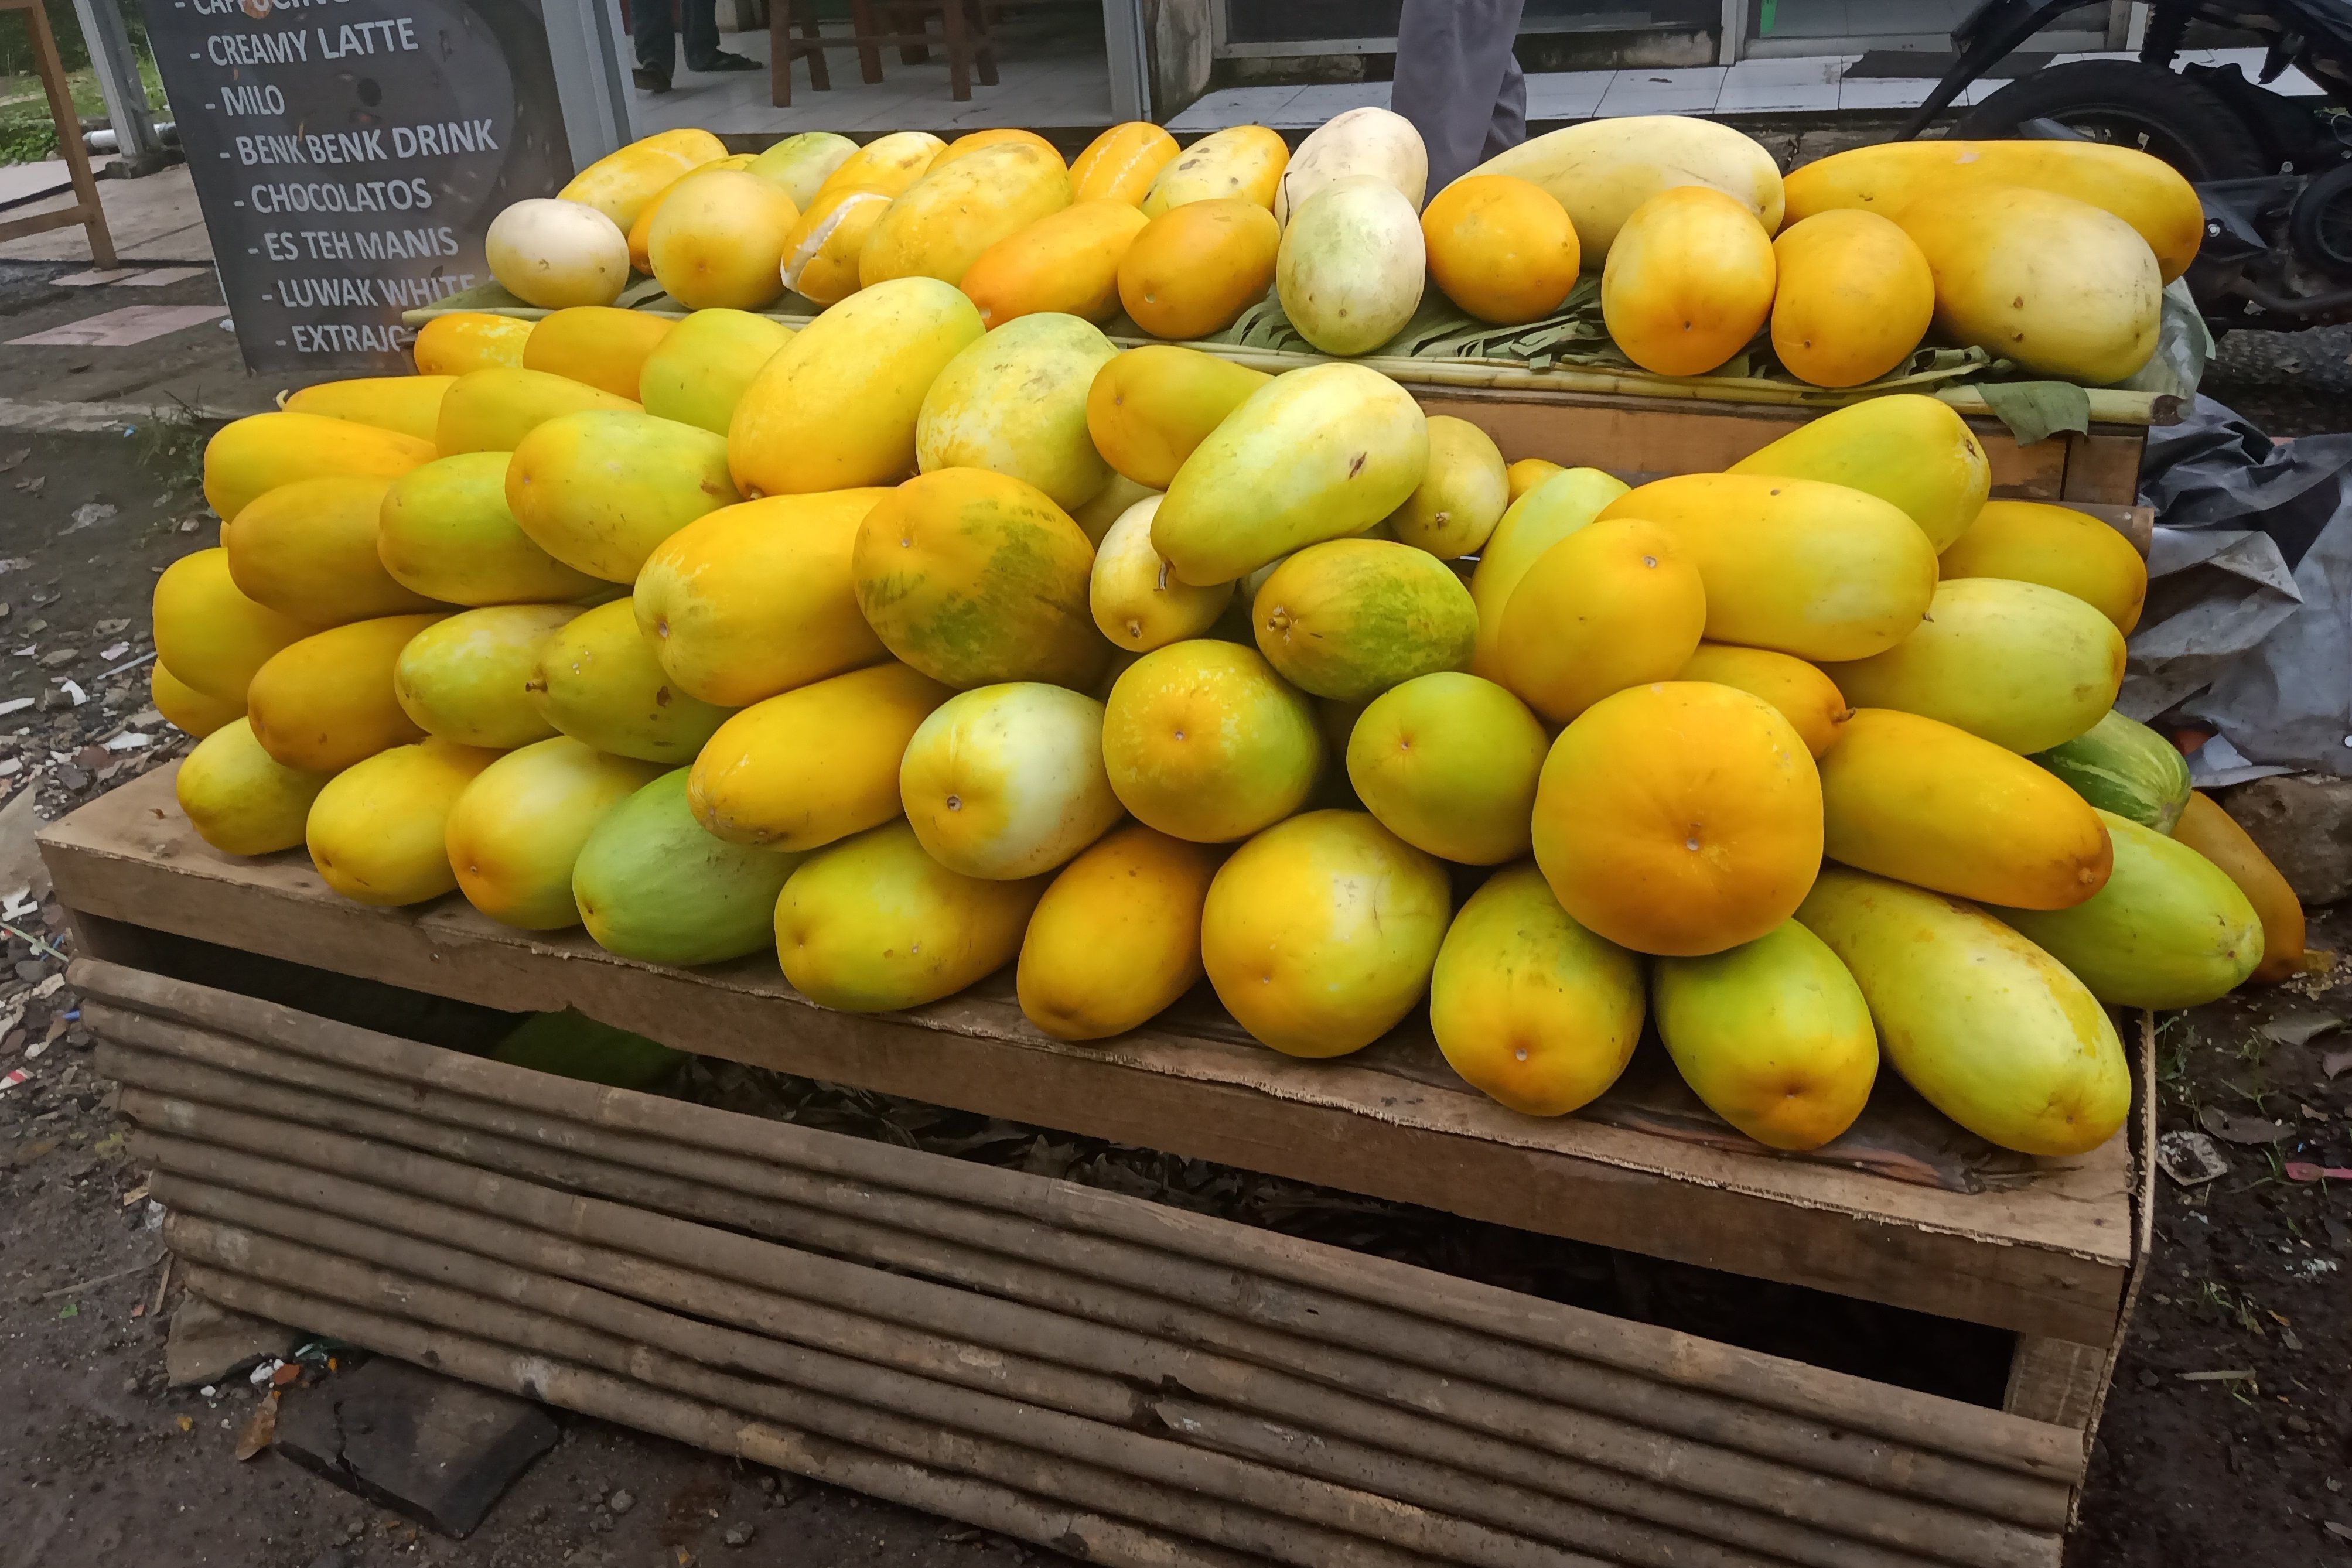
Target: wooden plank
<point>2055,1380</point>
<point>1639,438</point>
<point>2046,1256</point>
<point>2103,465</point>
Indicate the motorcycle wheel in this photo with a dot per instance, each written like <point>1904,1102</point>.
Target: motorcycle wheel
<point>2127,104</point>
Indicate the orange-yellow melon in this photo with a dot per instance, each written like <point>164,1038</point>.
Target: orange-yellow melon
<point>1501,248</point>
<point>1116,938</point>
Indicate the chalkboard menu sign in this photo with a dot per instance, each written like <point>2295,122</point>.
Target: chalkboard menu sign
<point>349,155</point>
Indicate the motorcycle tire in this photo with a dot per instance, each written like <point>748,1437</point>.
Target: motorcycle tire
<point>2155,110</point>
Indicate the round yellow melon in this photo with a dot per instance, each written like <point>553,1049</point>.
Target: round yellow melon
<point>1139,602</point>
<point>598,681</point>
<point>327,701</point>
<point>1532,1009</point>
<point>1116,938</point>
<point>1529,472</point>
<point>1463,496</point>
<point>309,550</point>
<point>184,707</point>
<point>1151,407</point>
<point>718,240</point>
<point>1688,281</point>
<point>239,799</point>
<point>1501,248</point>
<point>1613,605</point>
<point>820,260</point>
<point>553,253</point>
<point>464,340</point>
<point>1854,297</point>
<point>378,833</point>
<point>1679,818</point>
<point>1194,268</point>
<point>516,830</point>
<point>1773,1034</point>
<point>1202,740</point>
<point>1121,164</point>
<point>1319,933</point>
<point>874,924</point>
<point>1806,697</point>
<point>1014,403</point>
<point>1351,618</point>
<point>1546,513</point>
<point>212,635</point>
<point>756,598</point>
<point>1007,781</point>
<point>814,764</point>
<point>466,679</point>
<point>1448,763</point>
<point>444,532</point>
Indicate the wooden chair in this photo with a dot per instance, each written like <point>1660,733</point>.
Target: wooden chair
<point>86,210</point>
<point>966,32</point>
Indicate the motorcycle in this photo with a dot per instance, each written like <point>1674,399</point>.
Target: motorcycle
<point>2274,173</point>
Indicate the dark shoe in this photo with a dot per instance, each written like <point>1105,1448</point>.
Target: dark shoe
<point>725,62</point>
<point>650,80</point>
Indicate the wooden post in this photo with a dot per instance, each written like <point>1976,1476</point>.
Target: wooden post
<point>86,210</point>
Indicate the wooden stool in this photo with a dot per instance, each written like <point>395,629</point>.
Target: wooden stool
<point>86,210</point>
<point>965,33</point>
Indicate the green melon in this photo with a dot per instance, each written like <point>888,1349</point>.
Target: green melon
<point>653,884</point>
<point>1352,618</point>
<point>2120,765</point>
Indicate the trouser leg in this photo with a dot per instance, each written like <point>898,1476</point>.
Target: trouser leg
<point>651,31</point>
<point>701,33</point>
<point>1458,82</point>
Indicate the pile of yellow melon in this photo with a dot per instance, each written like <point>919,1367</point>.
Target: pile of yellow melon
<point>2049,255</point>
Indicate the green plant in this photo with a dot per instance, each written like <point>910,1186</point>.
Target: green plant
<point>169,445</point>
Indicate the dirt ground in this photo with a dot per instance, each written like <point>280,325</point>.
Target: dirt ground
<point>100,1463</point>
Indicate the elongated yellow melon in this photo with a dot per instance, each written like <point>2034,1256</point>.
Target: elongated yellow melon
<point>836,407</point>
<point>1318,453</point>
<point>1557,506</point>
<point>821,252</point>
<point>1815,569</point>
<point>1116,938</point>
<point>1244,161</point>
<point>756,598</point>
<point>239,799</point>
<point>444,531</point>
<point>874,924</point>
<point>1529,472</point>
<point>1993,1031</point>
<point>1137,600</point>
<point>814,764</point>
<point>620,183</point>
<point>1887,177</point>
<point>1773,1034</point>
<point>309,550</point>
<point>1195,268</point>
<point>2055,286</point>
<point>1121,164</point>
<point>596,345</point>
<point>1910,798</point>
<point>410,405</point>
<point>887,163</point>
<point>597,680</point>
<point>1854,297</point>
<point>974,577</point>
<point>1806,697</point>
<point>1461,497</point>
<point>327,701</point>
<point>1351,618</point>
<point>493,410</point>
<point>1912,452</point>
<point>1007,781</point>
<point>2212,833</point>
<point>1014,403</point>
<point>186,709</point>
<point>1319,934</point>
<point>1351,265</point>
<point>2023,665</point>
<point>1613,605</point>
<point>1203,741</point>
<point>212,635</point>
<point>2057,546</point>
<point>1528,1007</point>
<point>803,163</point>
<point>1603,169</point>
<point>1680,818</point>
<point>1688,281</point>
<point>654,886</point>
<point>516,832</point>
<point>600,491</point>
<point>1448,763</point>
<point>1066,262</point>
<point>466,341</point>
<point>1365,141</point>
<point>467,678</point>
<point>378,833</point>
<point>1114,501</point>
<point>249,457</point>
<point>698,373</point>
<point>1151,407</point>
<point>943,223</point>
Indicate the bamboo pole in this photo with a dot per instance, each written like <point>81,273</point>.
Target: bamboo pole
<point>1585,1359</point>
<point>712,1426</point>
<point>1657,1470</point>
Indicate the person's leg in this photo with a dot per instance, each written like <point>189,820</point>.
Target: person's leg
<point>702,50</point>
<point>1453,68</point>
<point>1509,128</point>
<point>656,39</point>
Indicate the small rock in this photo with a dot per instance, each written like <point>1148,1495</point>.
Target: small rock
<point>2148,1379</point>
<point>738,1535</point>
<point>333,1557</point>
<point>539,1513</point>
<point>2298,1425</point>
<point>30,969</point>
<point>59,658</point>
<point>73,777</point>
<point>52,700</point>
<point>2303,821</point>
<point>209,1343</point>
<point>622,1501</point>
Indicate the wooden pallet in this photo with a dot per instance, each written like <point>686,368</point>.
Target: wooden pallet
<point>1101,1374</point>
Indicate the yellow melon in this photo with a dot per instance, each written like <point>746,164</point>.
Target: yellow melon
<point>1137,600</point>
<point>1014,403</point>
<point>1194,268</point>
<point>1149,408</point>
<point>239,799</point>
<point>378,833</point>
<point>1240,162</point>
<point>327,701</point>
<point>971,141</point>
<point>2057,546</point>
<point>1911,450</point>
<point>410,405</point>
<point>1529,472</point>
<point>2212,833</point>
<point>814,764</point>
<point>462,340</point>
<point>467,678</point>
<point>516,830</point>
<point>803,163</point>
<point>718,240</point>
<point>600,491</point>
<point>1116,938</point>
<point>1806,697</point>
<point>1854,297</point>
<point>620,183</point>
<point>1121,164</point>
<point>939,226</point>
<point>247,457</point>
<point>443,531</point>
<point>492,410</point>
<point>186,709</point>
<point>597,680</point>
<point>1613,605</point>
<point>1448,763</point>
<point>698,374</point>
<point>1007,781</point>
<point>887,163</point>
<point>598,345</point>
<point>1203,741</point>
<point>212,635</point>
<point>1688,281</point>
<point>820,260</point>
<point>1066,262</point>
<point>1557,506</point>
<point>1462,496</point>
<point>1501,248</point>
<point>309,550</point>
